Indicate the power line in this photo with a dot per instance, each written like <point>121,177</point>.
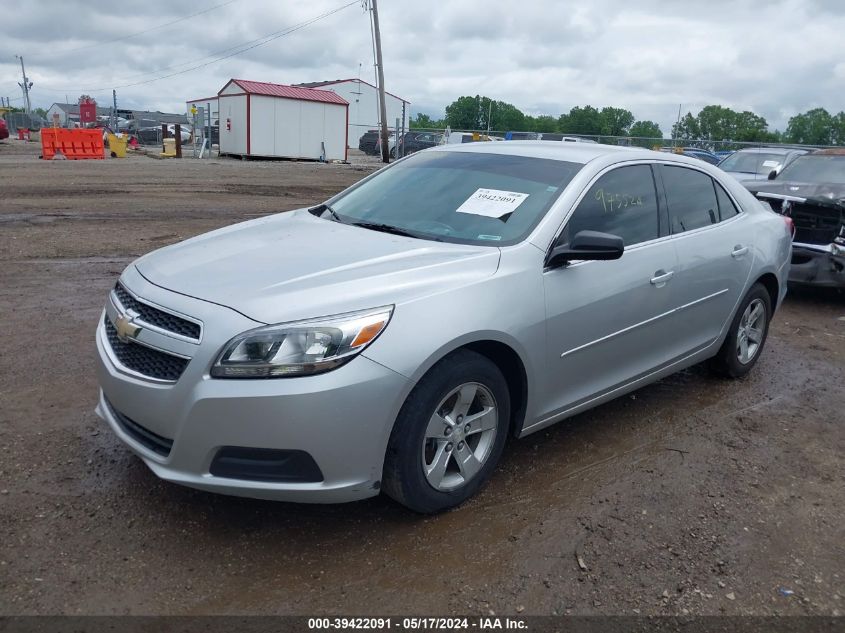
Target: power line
<point>149,30</point>
<point>198,59</point>
<point>241,48</point>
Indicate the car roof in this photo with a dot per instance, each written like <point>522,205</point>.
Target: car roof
<point>783,151</point>
<point>569,152</point>
<point>831,151</point>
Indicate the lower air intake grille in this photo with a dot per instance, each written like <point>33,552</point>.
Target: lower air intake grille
<point>156,443</point>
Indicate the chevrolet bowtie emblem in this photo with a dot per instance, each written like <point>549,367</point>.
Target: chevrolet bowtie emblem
<point>126,329</point>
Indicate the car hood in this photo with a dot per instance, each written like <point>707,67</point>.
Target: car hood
<point>815,191</point>
<point>744,175</point>
<point>296,266</point>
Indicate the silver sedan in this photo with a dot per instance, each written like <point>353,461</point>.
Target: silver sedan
<point>395,336</point>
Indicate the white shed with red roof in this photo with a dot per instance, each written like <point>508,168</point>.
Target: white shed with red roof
<point>277,121</point>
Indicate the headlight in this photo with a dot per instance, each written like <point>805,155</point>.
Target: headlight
<point>301,348</point>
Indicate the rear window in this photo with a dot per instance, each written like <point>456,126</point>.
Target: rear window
<point>691,199</point>
<point>727,208</point>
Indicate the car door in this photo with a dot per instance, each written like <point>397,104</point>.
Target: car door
<point>604,317</point>
<point>713,241</point>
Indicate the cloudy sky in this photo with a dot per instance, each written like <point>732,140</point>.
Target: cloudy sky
<point>776,58</point>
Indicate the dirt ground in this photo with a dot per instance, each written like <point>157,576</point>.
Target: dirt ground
<point>692,496</point>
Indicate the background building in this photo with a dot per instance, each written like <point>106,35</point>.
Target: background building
<point>274,120</point>
<point>363,105</point>
<point>69,113</point>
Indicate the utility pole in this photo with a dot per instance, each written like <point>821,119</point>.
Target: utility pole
<point>114,110</point>
<point>489,117</point>
<point>25,86</point>
<point>385,144</point>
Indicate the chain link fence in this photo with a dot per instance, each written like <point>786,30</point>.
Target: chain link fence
<point>726,145</point>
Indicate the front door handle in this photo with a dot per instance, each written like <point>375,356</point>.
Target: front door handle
<point>739,251</point>
<point>661,277</point>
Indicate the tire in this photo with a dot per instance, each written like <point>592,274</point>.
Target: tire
<point>418,445</point>
<point>733,360</point>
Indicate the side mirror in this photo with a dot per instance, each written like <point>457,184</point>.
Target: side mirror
<point>587,245</point>
<point>773,174</point>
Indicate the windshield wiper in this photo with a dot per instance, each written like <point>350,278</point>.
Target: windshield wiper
<point>332,213</point>
<point>389,228</point>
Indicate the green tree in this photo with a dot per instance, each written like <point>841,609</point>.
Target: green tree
<point>687,128</point>
<point>586,120</point>
<point>718,123</point>
<point>751,127</point>
<point>541,123</point>
<point>649,133</point>
<point>814,127</point>
<point>472,113</point>
<point>838,133</point>
<point>464,113</point>
<point>615,121</point>
<point>424,121</point>
<point>504,116</point>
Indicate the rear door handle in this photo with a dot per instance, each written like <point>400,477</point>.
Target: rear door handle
<point>661,277</point>
<point>739,251</point>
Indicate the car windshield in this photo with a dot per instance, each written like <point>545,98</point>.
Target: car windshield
<point>462,197</point>
<point>818,169</point>
<point>760,163</point>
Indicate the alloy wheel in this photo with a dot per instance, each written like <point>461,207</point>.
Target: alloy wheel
<point>752,327</point>
<point>459,436</point>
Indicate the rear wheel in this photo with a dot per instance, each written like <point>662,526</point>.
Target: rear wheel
<point>449,434</point>
<point>747,335</point>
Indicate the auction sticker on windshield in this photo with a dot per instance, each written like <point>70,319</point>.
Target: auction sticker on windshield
<point>492,203</point>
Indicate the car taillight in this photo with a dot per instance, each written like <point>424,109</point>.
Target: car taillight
<point>790,225</point>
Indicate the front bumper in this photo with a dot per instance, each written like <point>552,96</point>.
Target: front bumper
<point>817,266</point>
<point>342,418</point>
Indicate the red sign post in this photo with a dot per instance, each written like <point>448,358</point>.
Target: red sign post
<point>88,111</point>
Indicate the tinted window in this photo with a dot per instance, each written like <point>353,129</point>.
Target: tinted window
<point>439,195</point>
<point>622,202</point>
<point>727,208</point>
<point>691,198</point>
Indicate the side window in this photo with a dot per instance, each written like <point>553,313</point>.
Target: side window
<point>727,208</point>
<point>623,202</point>
<point>691,199</point>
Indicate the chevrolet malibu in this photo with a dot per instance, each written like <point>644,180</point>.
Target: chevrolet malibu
<point>395,336</point>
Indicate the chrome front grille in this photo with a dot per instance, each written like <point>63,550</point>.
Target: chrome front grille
<point>156,317</point>
<point>144,360</point>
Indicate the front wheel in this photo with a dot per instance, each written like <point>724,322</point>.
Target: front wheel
<point>449,434</point>
<point>747,335</point>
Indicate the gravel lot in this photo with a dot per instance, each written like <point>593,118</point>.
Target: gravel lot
<point>692,496</point>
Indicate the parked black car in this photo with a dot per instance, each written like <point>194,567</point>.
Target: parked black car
<point>811,191</point>
<point>369,142</point>
<point>415,141</point>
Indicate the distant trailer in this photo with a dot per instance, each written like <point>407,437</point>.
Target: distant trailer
<point>266,120</point>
